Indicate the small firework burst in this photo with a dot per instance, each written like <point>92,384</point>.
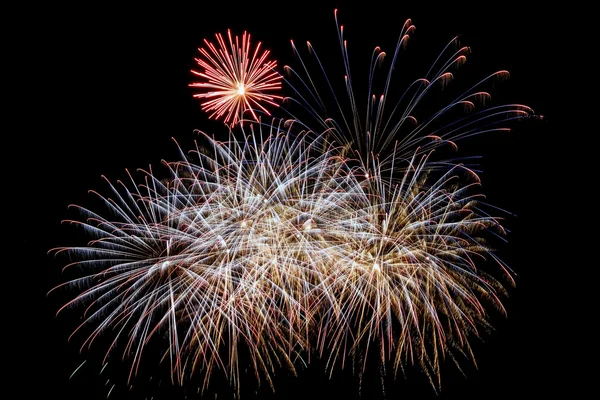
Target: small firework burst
<point>236,79</point>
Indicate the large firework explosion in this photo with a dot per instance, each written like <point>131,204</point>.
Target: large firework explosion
<point>324,231</point>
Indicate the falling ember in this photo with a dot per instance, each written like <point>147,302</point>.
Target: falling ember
<point>237,80</point>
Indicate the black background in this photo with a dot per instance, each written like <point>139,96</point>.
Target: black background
<point>110,90</point>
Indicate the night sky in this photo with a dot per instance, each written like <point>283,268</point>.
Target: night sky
<point>115,91</point>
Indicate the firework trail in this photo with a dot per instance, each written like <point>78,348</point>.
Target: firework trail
<point>326,232</point>
<point>236,80</point>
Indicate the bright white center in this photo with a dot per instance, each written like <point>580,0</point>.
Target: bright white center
<point>241,89</point>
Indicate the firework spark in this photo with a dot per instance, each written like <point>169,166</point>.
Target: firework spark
<point>236,79</point>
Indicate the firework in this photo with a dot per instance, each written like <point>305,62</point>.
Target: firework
<point>409,285</point>
<point>228,249</point>
<point>325,232</point>
<point>236,80</point>
<point>397,122</point>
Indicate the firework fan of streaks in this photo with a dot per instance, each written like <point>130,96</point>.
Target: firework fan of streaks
<point>236,80</point>
<point>386,127</point>
<point>410,283</point>
<point>275,247</point>
<point>229,249</point>
<point>338,234</point>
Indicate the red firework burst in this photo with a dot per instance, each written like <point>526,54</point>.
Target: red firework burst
<point>236,79</point>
